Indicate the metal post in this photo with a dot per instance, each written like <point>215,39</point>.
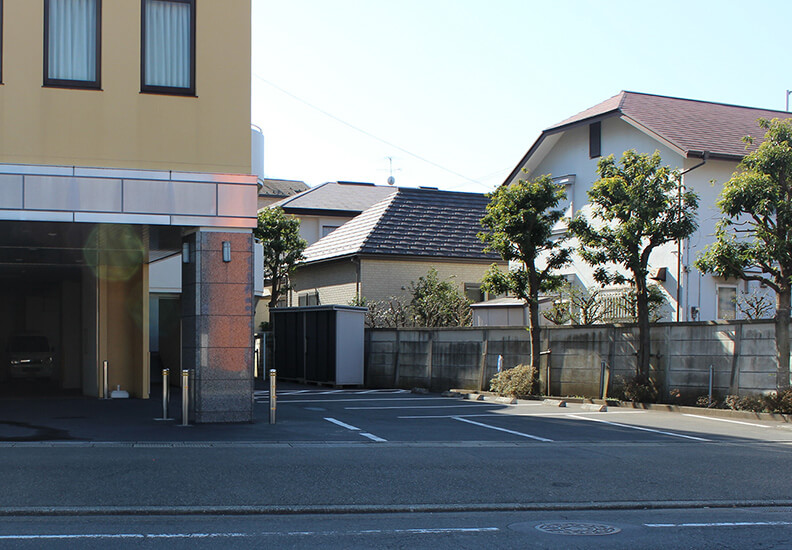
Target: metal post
<point>105,382</point>
<point>165,395</point>
<point>709,394</point>
<point>185,397</point>
<point>602,380</point>
<point>500,363</point>
<point>272,396</point>
<point>263,354</point>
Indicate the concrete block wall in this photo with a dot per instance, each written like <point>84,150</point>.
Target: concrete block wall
<point>742,354</point>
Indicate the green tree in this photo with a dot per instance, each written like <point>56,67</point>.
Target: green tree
<point>283,248</point>
<point>437,303</point>
<point>636,206</point>
<point>519,226</point>
<point>753,241</point>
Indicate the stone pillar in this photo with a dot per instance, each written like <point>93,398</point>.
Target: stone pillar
<point>217,325</point>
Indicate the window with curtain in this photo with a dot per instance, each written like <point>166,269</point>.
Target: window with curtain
<point>1,41</point>
<point>72,41</point>
<point>168,46</point>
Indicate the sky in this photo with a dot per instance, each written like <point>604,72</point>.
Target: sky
<point>452,93</point>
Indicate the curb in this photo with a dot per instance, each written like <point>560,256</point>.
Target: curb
<point>34,511</point>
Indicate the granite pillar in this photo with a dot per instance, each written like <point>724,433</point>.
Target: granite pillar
<point>217,325</point>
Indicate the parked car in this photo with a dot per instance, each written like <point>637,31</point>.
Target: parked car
<point>30,356</point>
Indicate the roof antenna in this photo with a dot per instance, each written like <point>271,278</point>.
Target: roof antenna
<point>391,179</point>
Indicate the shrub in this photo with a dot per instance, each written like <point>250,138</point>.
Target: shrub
<point>515,382</point>
<point>753,403</point>
<point>779,402</point>
<point>638,388</point>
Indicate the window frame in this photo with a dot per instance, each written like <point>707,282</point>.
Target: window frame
<point>1,41</point>
<point>595,139</point>
<point>167,90</point>
<point>718,288</point>
<point>95,84</point>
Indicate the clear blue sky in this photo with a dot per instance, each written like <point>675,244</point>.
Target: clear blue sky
<point>468,85</point>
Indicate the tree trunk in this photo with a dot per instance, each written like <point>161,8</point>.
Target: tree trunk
<point>782,337</point>
<point>533,308</point>
<point>274,293</point>
<point>644,343</point>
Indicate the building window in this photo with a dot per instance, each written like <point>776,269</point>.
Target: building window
<point>327,229</point>
<point>595,139</point>
<point>167,63</point>
<point>727,303</point>
<point>308,298</point>
<point>72,43</point>
<point>474,293</point>
<point>1,41</point>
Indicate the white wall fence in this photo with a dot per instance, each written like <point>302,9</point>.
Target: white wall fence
<point>741,353</point>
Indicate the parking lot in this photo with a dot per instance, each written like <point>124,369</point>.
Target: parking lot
<point>398,416</point>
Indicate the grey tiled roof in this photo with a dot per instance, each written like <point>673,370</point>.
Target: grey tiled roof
<point>335,195</point>
<point>281,188</point>
<point>692,126</point>
<point>411,222</point>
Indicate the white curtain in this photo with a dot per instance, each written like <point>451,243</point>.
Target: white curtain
<point>168,53</point>
<point>72,40</point>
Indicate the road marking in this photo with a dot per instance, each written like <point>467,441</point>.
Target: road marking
<point>721,524</point>
<point>362,399</point>
<point>339,423</point>
<point>461,405</point>
<point>420,531</point>
<point>536,437</point>
<point>726,420</point>
<point>372,437</point>
<point>506,414</point>
<point>672,434</point>
<point>355,429</point>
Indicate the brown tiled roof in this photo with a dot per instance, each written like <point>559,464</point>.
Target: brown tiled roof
<point>281,188</point>
<point>412,222</point>
<point>690,125</point>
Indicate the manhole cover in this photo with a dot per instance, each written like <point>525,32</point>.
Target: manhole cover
<point>577,528</point>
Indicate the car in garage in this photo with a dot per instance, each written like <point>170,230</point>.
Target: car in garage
<point>30,356</point>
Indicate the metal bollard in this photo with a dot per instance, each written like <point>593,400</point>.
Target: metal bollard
<point>709,393</point>
<point>165,395</point>
<point>185,397</point>
<point>106,382</point>
<point>272,396</point>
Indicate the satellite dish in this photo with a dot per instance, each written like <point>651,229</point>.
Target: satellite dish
<point>391,180</point>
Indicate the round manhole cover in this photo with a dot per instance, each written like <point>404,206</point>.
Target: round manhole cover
<point>577,528</point>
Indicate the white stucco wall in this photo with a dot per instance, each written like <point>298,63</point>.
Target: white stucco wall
<point>569,156</point>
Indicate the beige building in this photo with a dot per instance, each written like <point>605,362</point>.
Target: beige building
<point>125,138</point>
<point>379,253</point>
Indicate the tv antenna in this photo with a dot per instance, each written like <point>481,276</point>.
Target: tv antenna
<point>391,179</point>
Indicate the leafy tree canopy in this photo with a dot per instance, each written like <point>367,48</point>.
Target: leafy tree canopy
<point>283,248</point>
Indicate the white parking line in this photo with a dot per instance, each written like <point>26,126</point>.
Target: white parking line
<point>672,434</point>
<point>355,429</point>
<point>461,405</point>
<point>362,399</point>
<point>536,437</point>
<point>372,437</point>
<point>343,425</point>
<point>506,414</point>
<point>726,420</point>
<point>721,524</point>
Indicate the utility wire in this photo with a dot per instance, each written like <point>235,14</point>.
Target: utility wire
<point>369,134</point>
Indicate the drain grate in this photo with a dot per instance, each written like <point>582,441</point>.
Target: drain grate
<point>577,528</point>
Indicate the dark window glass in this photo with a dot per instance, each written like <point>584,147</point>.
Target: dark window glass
<point>595,139</point>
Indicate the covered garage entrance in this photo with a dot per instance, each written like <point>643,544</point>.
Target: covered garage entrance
<point>73,295</point>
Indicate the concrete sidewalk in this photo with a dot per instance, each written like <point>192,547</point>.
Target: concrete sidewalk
<point>86,419</point>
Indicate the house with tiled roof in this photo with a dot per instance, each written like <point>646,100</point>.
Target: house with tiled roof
<point>274,190</point>
<point>377,254</point>
<point>704,140</point>
<point>328,206</point>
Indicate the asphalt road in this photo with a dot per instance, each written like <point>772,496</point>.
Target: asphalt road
<point>380,468</point>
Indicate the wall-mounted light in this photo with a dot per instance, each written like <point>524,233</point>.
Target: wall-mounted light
<point>185,253</point>
<point>226,251</point>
